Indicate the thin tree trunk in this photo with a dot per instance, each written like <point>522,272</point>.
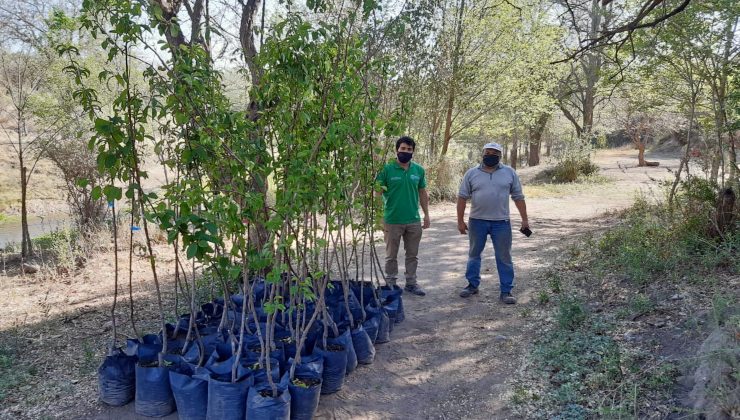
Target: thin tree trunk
<point>514,151</point>
<point>433,136</point>
<point>685,160</point>
<point>453,83</point>
<point>525,150</point>
<point>249,49</point>
<point>448,123</point>
<point>591,68</point>
<point>26,245</point>
<point>535,140</point>
<point>641,153</point>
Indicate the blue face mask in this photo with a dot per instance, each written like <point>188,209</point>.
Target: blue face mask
<point>491,160</point>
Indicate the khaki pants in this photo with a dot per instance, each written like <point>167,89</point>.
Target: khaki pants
<point>411,234</point>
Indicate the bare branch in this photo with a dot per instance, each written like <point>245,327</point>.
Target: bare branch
<point>637,22</point>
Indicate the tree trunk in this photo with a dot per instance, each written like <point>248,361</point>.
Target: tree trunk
<point>433,136</point>
<point>26,245</point>
<point>448,123</point>
<point>641,156</point>
<point>725,210</point>
<point>514,151</point>
<point>249,49</point>
<point>453,82</point>
<point>685,160</point>
<point>591,70</point>
<point>734,173</point>
<point>641,153</point>
<point>535,140</point>
<point>525,151</point>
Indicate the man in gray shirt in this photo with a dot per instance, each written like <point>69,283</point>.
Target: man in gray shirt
<point>489,186</point>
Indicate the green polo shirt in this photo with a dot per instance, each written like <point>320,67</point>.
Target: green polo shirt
<point>401,192</point>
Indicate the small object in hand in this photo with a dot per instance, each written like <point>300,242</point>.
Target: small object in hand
<point>526,231</point>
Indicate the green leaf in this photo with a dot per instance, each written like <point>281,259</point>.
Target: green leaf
<point>112,193</point>
<point>103,126</point>
<point>192,250</point>
<point>96,193</point>
<point>181,118</point>
<point>234,272</point>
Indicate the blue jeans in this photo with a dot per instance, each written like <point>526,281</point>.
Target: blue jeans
<point>500,232</point>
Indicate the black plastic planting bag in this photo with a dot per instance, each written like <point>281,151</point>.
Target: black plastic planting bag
<point>363,346</point>
<point>252,351</point>
<point>211,341</point>
<point>364,291</point>
<point>313,335</point>
<point>175,338</point>
<point>153,393</point>
<point>345,339</point>
<point>221,363</point>
<point>393,302</point>
<point>310,366</point>
<point>335,367</point>
<point>212,311</point>
<point>384,327</point>
<point>304,398</point>
<point>117,378</point>
<point>228,400</point>
<point>146,350</point>
<point>259,370</point>
<point>259,290</point>
<point>372,322</point>
<point>184,323</point>
<point>336,305</point>
<point>262,405</point>
<point>190,392</point>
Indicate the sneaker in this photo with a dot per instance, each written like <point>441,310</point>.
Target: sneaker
<point>415,290</point>
<point>507,298</point>
<point>469,291</point>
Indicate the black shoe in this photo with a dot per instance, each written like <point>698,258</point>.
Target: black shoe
<point>507,298</point>
<point>415,290</point>
<point>469,291</point>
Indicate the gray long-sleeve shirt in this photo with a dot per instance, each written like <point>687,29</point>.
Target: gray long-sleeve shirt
<point>489,192</point>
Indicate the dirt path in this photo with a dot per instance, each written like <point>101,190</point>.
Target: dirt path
<point>452,357</point>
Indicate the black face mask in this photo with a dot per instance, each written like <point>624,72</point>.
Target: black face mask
<point>491,160</point>
<point>404,157</point>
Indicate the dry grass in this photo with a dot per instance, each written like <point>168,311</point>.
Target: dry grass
<point>587,185</point>
<point>56,328</point>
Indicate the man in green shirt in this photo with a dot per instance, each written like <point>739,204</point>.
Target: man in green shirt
<point>404,188</point>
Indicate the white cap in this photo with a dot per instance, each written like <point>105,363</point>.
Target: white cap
<point>494,146</point>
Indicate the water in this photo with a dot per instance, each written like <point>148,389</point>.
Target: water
<point>37,226</point>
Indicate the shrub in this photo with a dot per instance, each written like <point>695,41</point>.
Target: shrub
<point>60,247</point>
<point>571,169</point>
<point>571,314</point>
<point>656,241</point>
<point>443,178</point>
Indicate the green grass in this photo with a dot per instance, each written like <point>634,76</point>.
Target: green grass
<point>654,243</point>
<point>589,374</point>
<point>12,374</point>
